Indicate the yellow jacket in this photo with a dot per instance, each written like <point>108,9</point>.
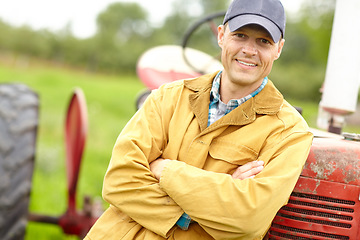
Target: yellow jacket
<point>173,124</point>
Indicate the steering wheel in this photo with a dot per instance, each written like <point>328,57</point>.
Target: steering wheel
<point>198,55</point>
<point>202,35</point>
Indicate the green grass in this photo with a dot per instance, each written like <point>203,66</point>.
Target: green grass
<point>110,104</point>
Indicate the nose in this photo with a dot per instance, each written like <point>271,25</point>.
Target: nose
<point>249,48</point>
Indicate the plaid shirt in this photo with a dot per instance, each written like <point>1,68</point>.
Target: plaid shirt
<point>218,109</point>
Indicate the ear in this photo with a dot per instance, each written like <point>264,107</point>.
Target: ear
<point>220,36</point>
<point>280,47</point>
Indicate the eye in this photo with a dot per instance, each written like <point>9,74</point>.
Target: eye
<point>265,41</point>
<point>240,35</point>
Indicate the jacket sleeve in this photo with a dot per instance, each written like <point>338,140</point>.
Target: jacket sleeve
<point>238,209</point>
<point>129,184</point>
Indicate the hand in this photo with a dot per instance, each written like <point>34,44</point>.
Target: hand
<point>249,170</point>
<point>157,166</point>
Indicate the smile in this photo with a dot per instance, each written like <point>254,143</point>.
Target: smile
<point>247,64</point>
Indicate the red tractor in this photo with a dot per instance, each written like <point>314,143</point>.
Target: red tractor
<point>325,203</point>
<point>18,125</point>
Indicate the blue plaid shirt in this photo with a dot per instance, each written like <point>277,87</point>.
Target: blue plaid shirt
<point>218,109</point>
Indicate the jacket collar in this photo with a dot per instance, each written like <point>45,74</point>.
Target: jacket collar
<point>268,102</point>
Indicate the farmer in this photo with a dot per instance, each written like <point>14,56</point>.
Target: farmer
<point>213,157</point>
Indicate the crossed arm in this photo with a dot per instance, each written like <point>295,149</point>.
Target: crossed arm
<point>243,208</point>
<point>249,170</point>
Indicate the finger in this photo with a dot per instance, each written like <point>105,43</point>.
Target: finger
<point>157,166</point>
<point>248,170</point>
<point>249,166</point>
<point>248,174</point>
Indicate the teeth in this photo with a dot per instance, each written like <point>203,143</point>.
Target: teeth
<point>247,64</point>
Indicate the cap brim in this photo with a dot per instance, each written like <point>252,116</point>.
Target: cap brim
<point>243,20</point>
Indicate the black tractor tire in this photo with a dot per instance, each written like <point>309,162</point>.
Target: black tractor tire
<point>18,131</point>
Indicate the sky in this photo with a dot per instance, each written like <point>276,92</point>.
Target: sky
<point>54,15</point>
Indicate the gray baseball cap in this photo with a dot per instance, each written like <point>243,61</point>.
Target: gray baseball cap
<point>269,14</point>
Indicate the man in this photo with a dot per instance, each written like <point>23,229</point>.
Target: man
<point>213,157</point>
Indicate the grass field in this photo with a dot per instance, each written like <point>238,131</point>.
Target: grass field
<point>110,103</point>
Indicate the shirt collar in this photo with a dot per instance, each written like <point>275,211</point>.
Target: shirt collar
<point>215,92</point>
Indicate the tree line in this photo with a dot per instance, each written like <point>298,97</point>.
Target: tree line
<point>124,32</point>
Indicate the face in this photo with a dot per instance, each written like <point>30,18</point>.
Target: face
<point>247,56</point>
